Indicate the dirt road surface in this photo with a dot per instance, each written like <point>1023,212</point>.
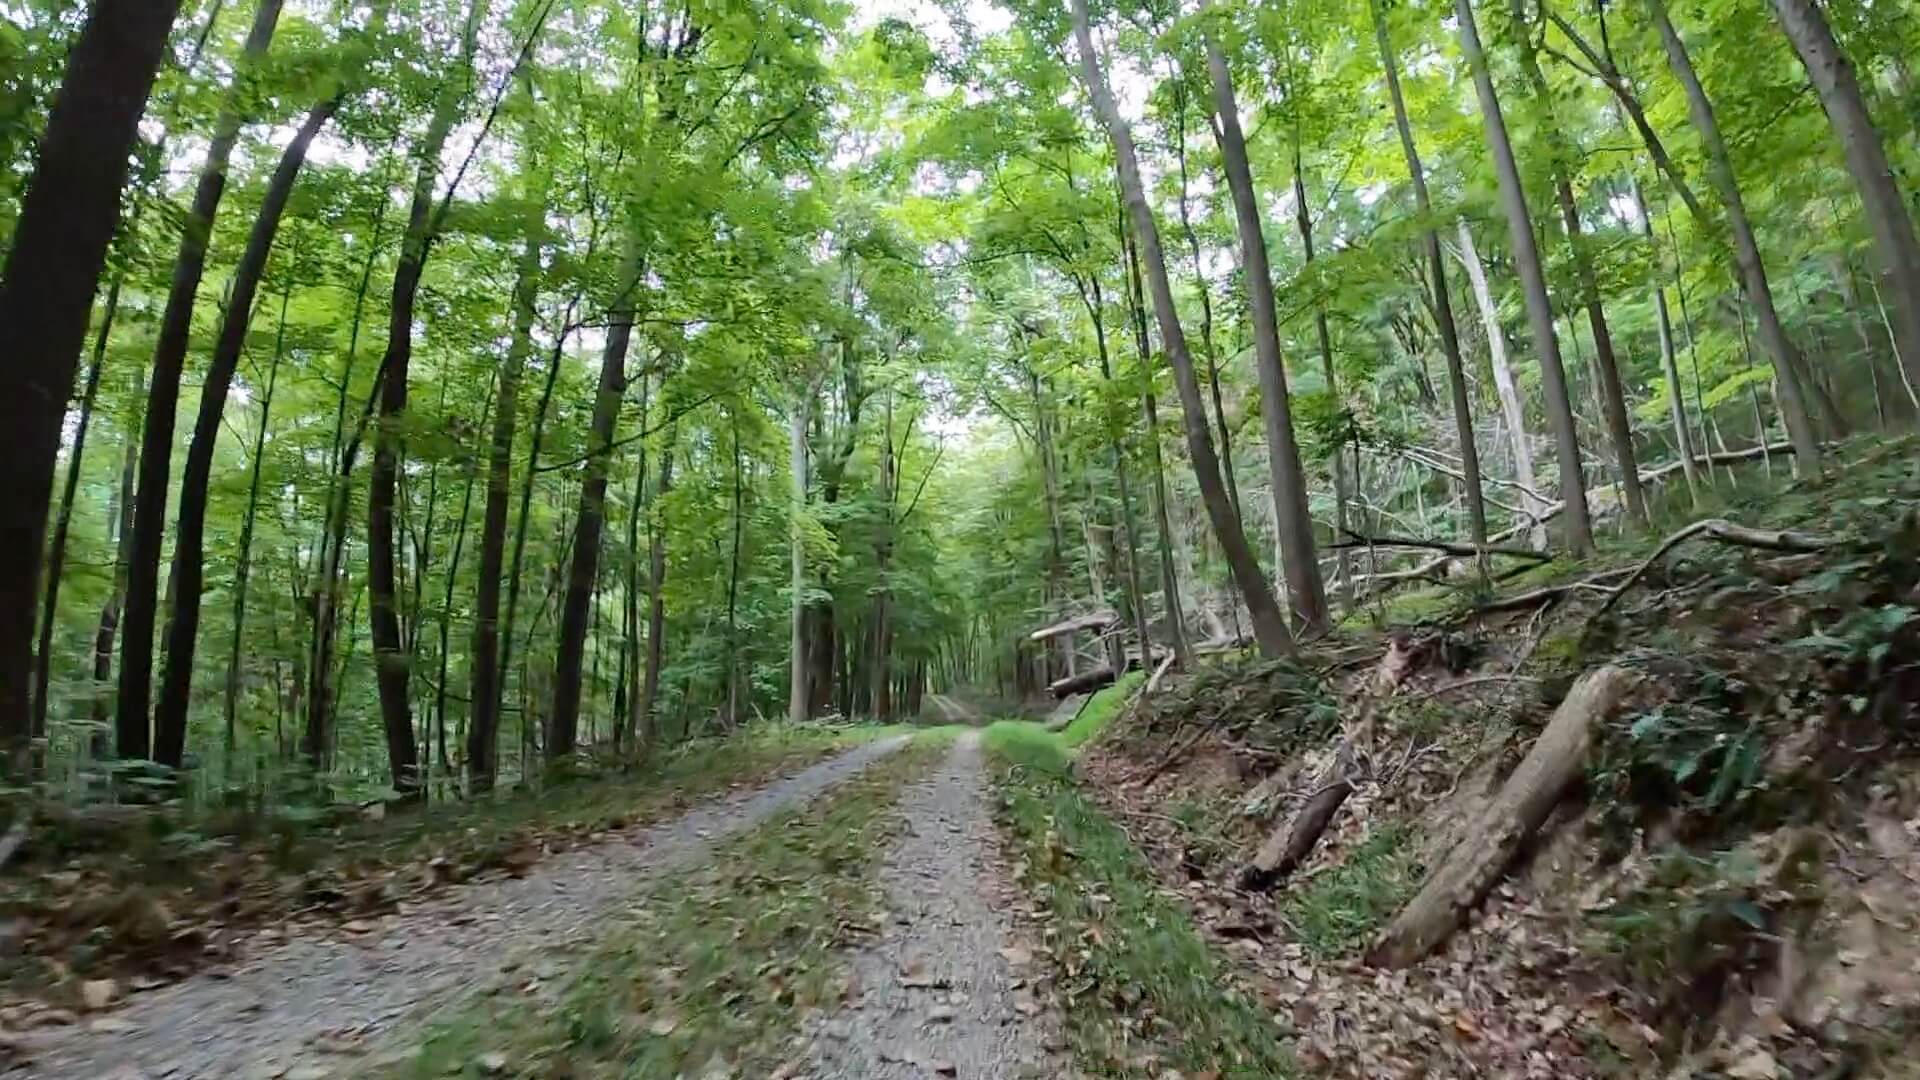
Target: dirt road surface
<point>314,1005</point>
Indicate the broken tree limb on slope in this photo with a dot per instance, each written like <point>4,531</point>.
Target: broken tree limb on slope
<point>1287,846</point>
<point>1469,871</point>
<point>1464,551</point>
<point>1726,532</point>
<point>1371,585</point>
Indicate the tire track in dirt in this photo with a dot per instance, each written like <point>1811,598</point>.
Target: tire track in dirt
<point>947,990</point>
<point>309,1006</point>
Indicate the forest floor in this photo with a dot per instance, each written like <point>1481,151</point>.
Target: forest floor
<point>1729,889</point>
<point>310,1000</point>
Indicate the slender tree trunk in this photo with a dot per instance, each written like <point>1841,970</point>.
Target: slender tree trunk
<point>520,550</point>
<point>1613,401</point>
<point>1503,381</point>
<point>797,541</point>
<point>391,659</point>
<point>1437,281</point>
<point>1056,594</point>
<point>57,551</point>
<point>1205,291</point>
<point>483,726</point>
<point>243,564</point>
<point>1526,258</point>
<point>110,611</point>
<point>1096,307</point>
<point>656,602</point>
<point>629,709</point>
<point>1293,521</point>
<point>590,521</point>
<point>163,398</point>
<point>316,738</point>
<point>1669,359</point>
<point>446,600</point>
<point>53,264</point>
<point>1150,408</point>
<point>1341,493</point>
<point>189,554</point>
<point>1888,218</point>
<point>1269,625</point>
<point>882,687</point>
<point>1787,361</point>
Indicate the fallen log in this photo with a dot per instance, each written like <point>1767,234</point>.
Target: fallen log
<point>1286,848</point>
<point>1369,585</point>
<point>1469,871</point>
<point>1090,679</point>
<point>1465,551</point>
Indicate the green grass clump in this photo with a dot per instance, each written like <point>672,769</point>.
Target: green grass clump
<point>1026,741</point>
<point>1143,979</point>
<point>719,965</point>
<point>1335,912</point>
<point>1101,709</point>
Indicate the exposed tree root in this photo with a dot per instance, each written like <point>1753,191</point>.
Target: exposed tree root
<point>1469,871</point>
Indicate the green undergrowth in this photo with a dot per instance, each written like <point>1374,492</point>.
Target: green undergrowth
<point>1145,990</point>
<point>1335,911</point>
<point>712,969</point>
<point>1101,709</point>
<point>1865,481</point>
<point>1095,717</point>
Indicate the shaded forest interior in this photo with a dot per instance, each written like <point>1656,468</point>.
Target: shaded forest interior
<point>409,395</point>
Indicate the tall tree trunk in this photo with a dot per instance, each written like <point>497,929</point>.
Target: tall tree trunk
<point>163,399</point>
<point>1526,258</point>
<point>189,554</point>
<point>1137,607</point>
<point>446,618</point>
<point>520,550</point>
<point>1437,281</point>
<point>629,710</point>
<point>1150,408</point>
<point>1787,361</point>
<point>1269,625</point>
<point>53,265</point>
<point>1504,383</point>
<point>57,551</point>
<point>590,521</point>
<point>1292,518</point>
<point>483,726</point>
<point>116,598</point>
<point>1205,291</point>
<point>1304,221</point>
<point>1887,215</point>
<point>1056,592</point>
<point>797,554</point>
<point>1613,401</point>
<point>1669,357</point>
<point>315,738</point>
<point>882,684</point>
<point>391,660</point>
<point>243,564</point>
<point>656,602</point>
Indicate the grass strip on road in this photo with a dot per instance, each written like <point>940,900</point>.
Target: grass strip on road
<point>713,970</point>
